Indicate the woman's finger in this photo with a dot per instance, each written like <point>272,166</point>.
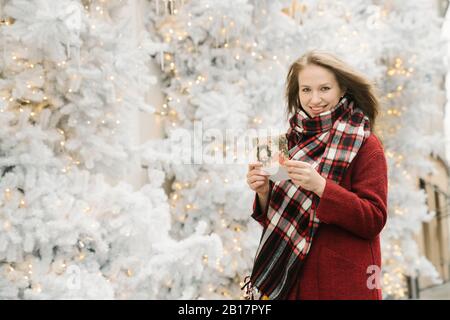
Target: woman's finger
<point>298,167</point>
<point>257,184</point>
<point>296,177</point>
<point>256,178</point>
<point>297,164</point>
<point>258,172</point>
<point>302,171</point>
<point>254,165</point>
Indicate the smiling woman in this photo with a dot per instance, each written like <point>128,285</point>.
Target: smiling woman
<point>318,80</point>
<point>322,225</point>
<point>319,90</point>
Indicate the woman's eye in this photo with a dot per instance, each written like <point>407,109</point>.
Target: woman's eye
<point>305,90</point>
<point>325,88</point>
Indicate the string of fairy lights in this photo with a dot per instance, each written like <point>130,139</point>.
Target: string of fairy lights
<point>399,71</point>
<point>38,101</point>
<point>394,281</point>
<point>172,34</point>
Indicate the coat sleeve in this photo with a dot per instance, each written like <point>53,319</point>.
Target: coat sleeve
<point>260,214</point>
<point>363,210</point>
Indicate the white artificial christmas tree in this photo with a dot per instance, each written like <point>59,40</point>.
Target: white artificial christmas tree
<point>73,78</point>
<point>72,74</point>
<point>446,37</point>
<point>411,129</point>
<point>216,51</point>
<point>225,65</point>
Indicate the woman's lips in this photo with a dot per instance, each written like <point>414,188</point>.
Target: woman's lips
<point>318,109</point>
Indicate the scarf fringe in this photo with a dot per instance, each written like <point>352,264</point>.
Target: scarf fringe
<point>251,292</point>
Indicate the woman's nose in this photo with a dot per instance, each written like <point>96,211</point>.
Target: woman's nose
<point>315,99</point>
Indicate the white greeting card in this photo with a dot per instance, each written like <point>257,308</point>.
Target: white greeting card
<point>272,152</point>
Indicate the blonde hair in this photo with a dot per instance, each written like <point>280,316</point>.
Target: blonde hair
<point>356,85</point>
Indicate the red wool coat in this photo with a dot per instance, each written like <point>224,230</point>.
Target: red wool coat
<point>345,258</point>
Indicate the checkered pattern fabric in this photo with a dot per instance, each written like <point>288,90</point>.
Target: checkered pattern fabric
<point>329,142</point>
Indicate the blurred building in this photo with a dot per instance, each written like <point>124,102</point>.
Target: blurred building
<point>434,238</point>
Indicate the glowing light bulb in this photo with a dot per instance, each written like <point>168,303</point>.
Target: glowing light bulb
<point>7,225</point>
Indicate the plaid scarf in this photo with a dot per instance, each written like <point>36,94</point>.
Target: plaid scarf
<point>329,142</point>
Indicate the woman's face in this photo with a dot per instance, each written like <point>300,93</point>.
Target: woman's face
<point>318,89</point>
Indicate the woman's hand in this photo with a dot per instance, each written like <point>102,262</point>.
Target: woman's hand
<point>257,179</point>
<point>304,175</point>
